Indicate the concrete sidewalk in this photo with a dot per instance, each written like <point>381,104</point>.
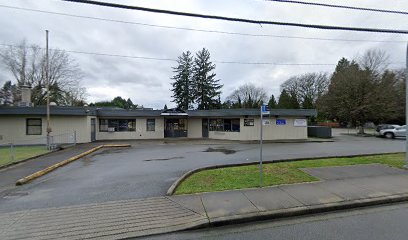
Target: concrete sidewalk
<point>341,188</point>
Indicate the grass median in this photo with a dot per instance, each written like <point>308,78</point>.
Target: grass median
<point>229,178</point>
<point>20,153</point>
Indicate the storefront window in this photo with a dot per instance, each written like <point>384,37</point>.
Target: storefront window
<point>224,125</point>
<point>117,125</point>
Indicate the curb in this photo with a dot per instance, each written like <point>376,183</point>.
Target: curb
<point>307,210</point>
<point>174,186</point>
<point>25,160</point>
<point>63,163</point>
<point>31,158</point>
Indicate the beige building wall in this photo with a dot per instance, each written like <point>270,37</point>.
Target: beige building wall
<point>270,132</point>
<point>13,129</point>
<point>195,128</point>
<point>140,133</point>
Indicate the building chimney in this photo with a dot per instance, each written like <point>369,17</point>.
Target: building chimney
<point>25,96</point>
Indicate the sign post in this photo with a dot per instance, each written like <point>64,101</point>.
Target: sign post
<point>264,110</point>
<point>406,108</point>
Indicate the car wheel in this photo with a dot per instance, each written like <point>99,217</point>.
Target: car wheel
<point>389,135</point>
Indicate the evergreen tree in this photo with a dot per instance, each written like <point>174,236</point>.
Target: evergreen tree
<point>272,102</point>
<point>206,87</point>
<point>287,101</point>
<point>165,107</point>
<point>6,93</point>
<point>118,102</point>
<point>182,85</point>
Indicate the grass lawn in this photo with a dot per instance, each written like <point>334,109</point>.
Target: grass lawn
<point>21,153</point>
<point>273,173</point>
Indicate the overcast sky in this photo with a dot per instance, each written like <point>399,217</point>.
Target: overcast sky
<point>148,82</point>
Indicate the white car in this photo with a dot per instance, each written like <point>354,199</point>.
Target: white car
<point>395,132</point>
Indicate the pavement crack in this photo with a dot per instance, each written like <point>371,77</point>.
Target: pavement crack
<point>205,210</point>
<point>251,201</point>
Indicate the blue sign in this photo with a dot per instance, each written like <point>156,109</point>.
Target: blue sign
<point>280,121</point>
<point>265,109</point>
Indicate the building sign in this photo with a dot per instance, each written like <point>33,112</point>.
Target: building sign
<point>300,123</point>
<point>280,121</point>
<point>249,122</point>
<point>266,122</point>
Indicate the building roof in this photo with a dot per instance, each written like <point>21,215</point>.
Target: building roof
<point>42,110</point>
<point>118,112</point>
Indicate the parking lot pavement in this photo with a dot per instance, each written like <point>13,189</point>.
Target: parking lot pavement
<point>148,170</point>
<point>10,175</point>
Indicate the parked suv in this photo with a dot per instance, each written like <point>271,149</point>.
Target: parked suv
<point>393,132</point>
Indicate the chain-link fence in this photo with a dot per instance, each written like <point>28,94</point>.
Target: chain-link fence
<point>23,149</point>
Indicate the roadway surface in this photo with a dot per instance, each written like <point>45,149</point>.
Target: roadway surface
<point>149,169</point>
<point>379,223</point>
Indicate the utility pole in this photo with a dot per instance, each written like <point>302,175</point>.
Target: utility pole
<point>47,80</point>
<point>406,110</point>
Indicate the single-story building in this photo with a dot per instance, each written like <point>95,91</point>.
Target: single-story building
<point>28,124</point>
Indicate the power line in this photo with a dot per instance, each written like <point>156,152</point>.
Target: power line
<point>242,20</point>
<point>341,6</point>
<point>202,30</point>
<point>175,60</point>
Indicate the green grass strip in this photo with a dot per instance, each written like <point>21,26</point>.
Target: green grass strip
<point>20,153</point>
<point>230,178</point>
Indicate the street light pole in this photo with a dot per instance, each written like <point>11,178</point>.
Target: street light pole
<point>47,80</point>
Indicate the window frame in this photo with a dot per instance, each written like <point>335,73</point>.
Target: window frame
<point>116,124</point>
<point>147,124</point>
<point>221,125</point>
<point>27,126</point>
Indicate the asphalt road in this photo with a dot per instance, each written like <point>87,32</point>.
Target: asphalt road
<point>387,222</point>
<point>148,170</point>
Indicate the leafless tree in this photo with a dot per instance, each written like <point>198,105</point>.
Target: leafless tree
<point>247,96</point>
<point>374,60</point>
<point>28,66</point>
<point>307,87</point>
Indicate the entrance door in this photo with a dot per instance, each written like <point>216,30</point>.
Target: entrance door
<point>93,129</point>
<point>205,127</point>
<point>175,127</point>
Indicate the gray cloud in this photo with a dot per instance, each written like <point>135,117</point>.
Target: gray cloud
<point>147,82</point>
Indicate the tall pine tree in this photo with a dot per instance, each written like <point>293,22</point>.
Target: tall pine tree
<point>182,85</point>
<point>272,102</point>
<point>287,101</point>
<point>206,87</point>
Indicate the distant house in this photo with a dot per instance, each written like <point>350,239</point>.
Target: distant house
<point>28,123</point>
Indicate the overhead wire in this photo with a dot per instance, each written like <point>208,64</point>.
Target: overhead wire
<point>175,60</point>
<point>200,30</point>
<point>241,20</point>
<point>341,6</point>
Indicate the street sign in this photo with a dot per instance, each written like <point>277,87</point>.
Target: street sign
<point>265,109</point>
